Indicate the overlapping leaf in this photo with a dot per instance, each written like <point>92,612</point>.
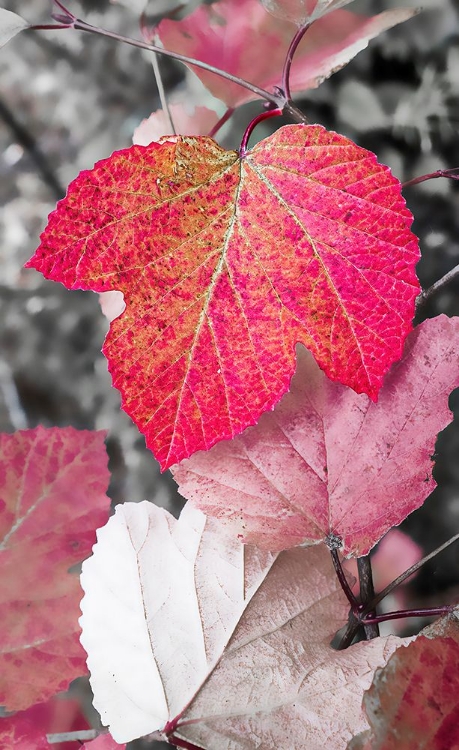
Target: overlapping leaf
<point>53,485</point>
<point>226,263</point>
<point>198,121</point>
<point>240,37</point>
<point>413,702</point>
<point>28,730</point>
<point>328,461</point>
<point>217,644</point>
<point>10,25</point>
<point>302,11</point>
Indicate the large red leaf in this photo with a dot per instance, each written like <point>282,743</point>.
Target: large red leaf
<point>240,37</point>
<point>327,461</point>
<point>226,263</point>
<point>413,702</point>
<point>190,633</point>
<point>53,485</point>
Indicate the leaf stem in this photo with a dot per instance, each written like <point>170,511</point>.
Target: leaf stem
<point>300,32</point>
<point>367,594</point>
<point>252,125</point>
<point>148,35</point>
<point>344,583</point>
<point>427,294</point>
<point>452,174</point>
<point>401,614</point>
<point>224,118</point>
<point>401,578</point>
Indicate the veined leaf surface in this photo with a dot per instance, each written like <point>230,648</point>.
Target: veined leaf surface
<point>226,263</point>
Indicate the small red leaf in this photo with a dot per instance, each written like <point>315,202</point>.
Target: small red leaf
<point>226,263</point>
<point>223,34</point>
<point>328,461</point>
<point>53,485</point>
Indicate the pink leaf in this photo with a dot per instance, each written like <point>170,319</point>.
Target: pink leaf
<point>328,461</point>
<point>216,644</point>
<point>413,700</point>
<point>53,485</point>
<point>28,730</point>
<point>197,121</point>
<point>223,35</point>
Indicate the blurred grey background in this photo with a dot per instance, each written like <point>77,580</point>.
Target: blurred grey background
<point>68,99</point>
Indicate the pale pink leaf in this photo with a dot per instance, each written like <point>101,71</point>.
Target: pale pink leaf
<point>413,702</point>
<point>194,121</point>
<point>223,34</point>
<point>53,484</point>
<point>327,461</point>
<point>215,644</point>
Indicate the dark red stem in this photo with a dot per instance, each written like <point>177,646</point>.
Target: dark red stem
<point>182,743</point>
<point>401,614</point>
<point>224,118</point>
<point>343,580</point>
<point>367,593</point>
<point>452,174</point>
<point>289,59</point>
<point>253,124</point>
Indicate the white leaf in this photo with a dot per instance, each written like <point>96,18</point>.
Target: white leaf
<point>215,644</point>
<point>10,25</point>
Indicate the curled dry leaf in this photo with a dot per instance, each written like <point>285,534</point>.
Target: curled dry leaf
<point>10,25</point>
<point>53,485</point>
<point>220,35</point>
<point>329,461</point>
<point>216,644</point>
<point>413,701</point>
<point>226,263</point>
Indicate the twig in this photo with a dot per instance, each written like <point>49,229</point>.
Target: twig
<point>289,59</point>
<point>367,593</point>
<point>342,579</point>
<point>71,21</point>
<point>427,294</point>
<point>452,174</point>
<point>401,578</point>
<point>403,613</point>
<point>80,735</point>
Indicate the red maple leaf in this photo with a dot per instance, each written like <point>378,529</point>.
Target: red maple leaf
<point>226,263</point>
<point>53,485</point>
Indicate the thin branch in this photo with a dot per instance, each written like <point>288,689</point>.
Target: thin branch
<point>276,99</point>
<point>289,59</point>
<point>401,578</point>
<point>344,583</point>
<point>402,614</point>
<point>452,174</point>
<point>223,119</point>
<point>427,294</point>
<point>367,593</point>
<point>148,35</point>
<point>79,736</point>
